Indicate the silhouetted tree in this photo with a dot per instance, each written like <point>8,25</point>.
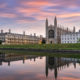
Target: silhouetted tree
<point>43,41</point>
<point>78,41</point>
<point>0,42</point>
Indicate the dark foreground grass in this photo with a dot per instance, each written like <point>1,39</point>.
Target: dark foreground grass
<point>45,46</point>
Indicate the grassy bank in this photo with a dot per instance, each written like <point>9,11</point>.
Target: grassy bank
<point>45,46</point>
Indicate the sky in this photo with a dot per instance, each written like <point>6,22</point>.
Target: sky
<point>30,15</point>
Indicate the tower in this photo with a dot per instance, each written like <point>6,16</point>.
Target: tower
<point>51,32</point>
<point>46,28</point>
<point>55,30</point>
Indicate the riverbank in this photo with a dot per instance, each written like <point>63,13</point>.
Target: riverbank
<point>43,50</point>
<point>44,46</point>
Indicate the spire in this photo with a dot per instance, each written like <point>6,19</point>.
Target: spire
<point>55,30</point>
<point>55,21</point>
<point>46,22</point>
<point>46,26</point>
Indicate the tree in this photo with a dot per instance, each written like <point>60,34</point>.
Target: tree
<point>43,41</point>
<point>0,41</point>
<point>78,41</point>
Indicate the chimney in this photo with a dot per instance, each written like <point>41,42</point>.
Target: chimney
<point>9,30</point>
<point>23,32</point>
<point>1,31</point>
<point>34,34</point>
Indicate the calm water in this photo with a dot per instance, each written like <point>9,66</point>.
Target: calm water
<point>29,67</point>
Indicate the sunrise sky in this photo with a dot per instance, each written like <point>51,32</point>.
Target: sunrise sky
<point>30,15</point>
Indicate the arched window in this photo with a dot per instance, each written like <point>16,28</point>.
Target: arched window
<point>51,33</point>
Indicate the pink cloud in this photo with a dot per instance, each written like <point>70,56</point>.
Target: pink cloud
<point>69,15</point>
<point>8,15</point>
<point>68,78</point>
<point>3,5</point>
<point>27,11</point>
<point>37,3</point>
<point>24,21</point>
<point>41,15</point>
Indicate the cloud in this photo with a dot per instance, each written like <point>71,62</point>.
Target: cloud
<point>69,15</point>
<point>68,78</point>
<point>37,3</point>
<point>27,11</point>
<point>3,5</point>
<point>31,11</point>
<point>8,15</point>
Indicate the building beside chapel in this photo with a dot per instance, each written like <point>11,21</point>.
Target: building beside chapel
<point>54,32</point>
<point>14,38</point>
<point>70,38</point>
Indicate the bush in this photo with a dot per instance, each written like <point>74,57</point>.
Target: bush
<point>0,42</point>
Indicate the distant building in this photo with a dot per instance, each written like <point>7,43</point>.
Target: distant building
<point>12,38</point>
<point>53,32</point>
<point>71,37</point>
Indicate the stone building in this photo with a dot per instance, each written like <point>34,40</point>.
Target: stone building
<point>53,32</point>
<point>71,37</point>
<point>13,38</point>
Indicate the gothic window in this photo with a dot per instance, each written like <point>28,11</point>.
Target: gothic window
<point>51,33</point>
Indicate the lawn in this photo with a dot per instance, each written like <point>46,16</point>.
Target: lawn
<point>45,46</point>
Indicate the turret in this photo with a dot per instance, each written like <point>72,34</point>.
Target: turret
<point>9,30</point>
<point>46,28</point>
<point>55,21</point>
<point>67,30</point>
<point>74,29</point>
<point>23,32</point>
<point>34,34</point>
<point>55,30</point>
<point>46,22</point>
<point>1,31</point>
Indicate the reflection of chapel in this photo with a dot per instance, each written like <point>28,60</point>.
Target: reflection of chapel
<point>57,64</point>
<point>53,32</point>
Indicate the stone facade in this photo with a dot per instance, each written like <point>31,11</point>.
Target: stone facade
<point>70,37</point>
<point>12,38</point>
<point>53,32</point>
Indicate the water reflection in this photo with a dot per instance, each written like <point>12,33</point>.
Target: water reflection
<point>58,64</point>
<point>36,66</point>
<point>16,57</point>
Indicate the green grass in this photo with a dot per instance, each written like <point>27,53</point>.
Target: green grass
<point>45,46</point>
